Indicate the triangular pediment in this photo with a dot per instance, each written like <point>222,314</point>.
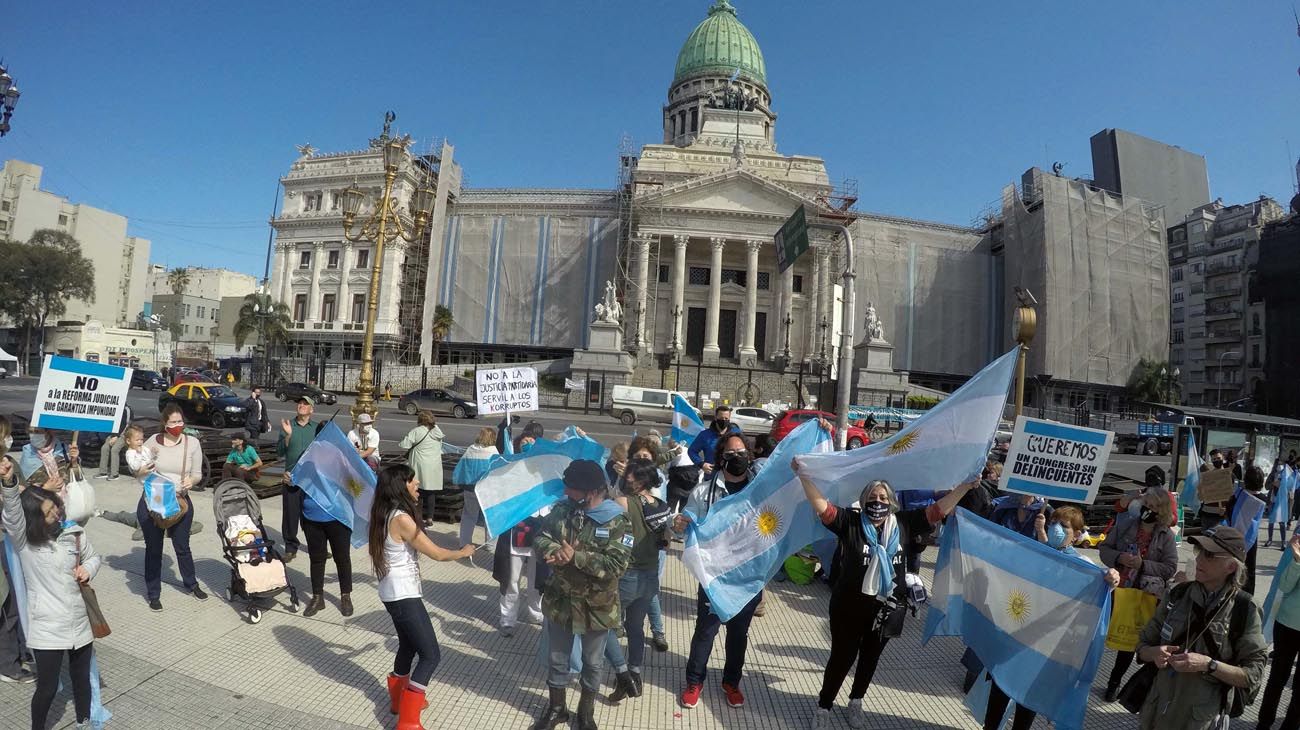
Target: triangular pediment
<point>729,191</point>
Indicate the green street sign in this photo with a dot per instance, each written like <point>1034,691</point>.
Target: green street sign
<point>792,240</point>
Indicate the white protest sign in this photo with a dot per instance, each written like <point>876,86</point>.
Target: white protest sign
<point>503,390</point>
<point>75,395</point>
<point>1056,461</point>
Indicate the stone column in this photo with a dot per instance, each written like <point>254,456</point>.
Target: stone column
<point>825,300</point>
<point>285,288</point>
<point>641,246</point>
<point>751,299</point>
<point>679,289</point>
<point>313,296</point>
<point>812,298</point>
<point>715,296</point>
<point>344,311</point>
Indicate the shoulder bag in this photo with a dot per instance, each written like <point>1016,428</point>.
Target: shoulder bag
<point>417,444</point>
<point>98,624</point>
<point>164,523</point>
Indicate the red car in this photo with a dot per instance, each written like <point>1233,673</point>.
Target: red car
<point>791,419</point>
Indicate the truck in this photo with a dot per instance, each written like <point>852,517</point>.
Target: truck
<point>1134,436</point>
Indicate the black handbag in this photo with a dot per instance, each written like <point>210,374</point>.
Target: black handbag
<point>1134,692</point>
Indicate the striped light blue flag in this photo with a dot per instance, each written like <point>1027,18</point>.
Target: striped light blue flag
<point>1036,617</point>
<point>1272,601</point>
<point>333,474</point>
<point>947,446</point>
<point>518,485</point>
<point>1281,511</point>
<point>160,495</point>
<point>1187,497</point>
<point>686,422</point>
<point>740,544</point>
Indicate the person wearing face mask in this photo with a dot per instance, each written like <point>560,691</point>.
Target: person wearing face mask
<point>647,447</point>
<point>869,596</point>
<point>1141,548</point>
<point>365,438</point>
<point>41,450</point>
<point>703,448</point>
<point>56,558</point>
<point>178,457</point>
<point>730,473</point>
<point>1020,512</point>
<point>587,541</point>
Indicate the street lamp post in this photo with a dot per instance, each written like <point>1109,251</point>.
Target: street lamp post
<point>263,307</point>
<point>1026,324</point>
<point>1219,400</point>
<point>8,99</point>
<point>383,225</point>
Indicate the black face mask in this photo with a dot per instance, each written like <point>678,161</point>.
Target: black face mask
<point>737,466</point>
<point>1217,464</point>
<point>722,424</point>
<point>876,511</point>
<point>1147,515</point>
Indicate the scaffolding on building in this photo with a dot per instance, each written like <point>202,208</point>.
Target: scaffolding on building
<point>415,271</point>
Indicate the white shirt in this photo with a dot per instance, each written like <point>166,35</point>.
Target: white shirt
<point>372,439</point>
<point>137,459</point>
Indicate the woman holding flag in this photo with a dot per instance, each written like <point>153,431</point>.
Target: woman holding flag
<point>869,597</point>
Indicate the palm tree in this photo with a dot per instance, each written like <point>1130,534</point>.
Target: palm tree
<point>442,324</point>
<point>179,280</point>
<point>260,314</point>
<point>1151,381</point>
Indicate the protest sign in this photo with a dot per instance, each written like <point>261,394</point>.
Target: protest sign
<point>1056,461</point>
<point>506,390</point>
<point>1216,486</point>
<point>75,395</point>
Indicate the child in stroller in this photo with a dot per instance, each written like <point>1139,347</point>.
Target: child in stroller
<point>256,564</point>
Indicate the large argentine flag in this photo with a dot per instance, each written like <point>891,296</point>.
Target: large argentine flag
<point>1034,616</point>
<point>520,484</point>
<point>686,422</point>
<point>1281,511</point>
<point>1272,601</point>
<point>945,447</point>
<point>333,474</point>
<point>739,545</point>
<point>1187,497</point>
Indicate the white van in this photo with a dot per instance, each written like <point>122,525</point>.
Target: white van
<point>632,403</point>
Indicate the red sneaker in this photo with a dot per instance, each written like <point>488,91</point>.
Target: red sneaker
<point>734,696</point>
<point>691,696</point>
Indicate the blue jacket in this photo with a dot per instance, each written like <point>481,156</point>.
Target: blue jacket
<point>702,448</point>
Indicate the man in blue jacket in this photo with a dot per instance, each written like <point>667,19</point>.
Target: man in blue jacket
<point>702,448</point>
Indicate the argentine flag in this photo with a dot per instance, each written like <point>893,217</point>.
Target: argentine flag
<point>1273,599</point>
<point>740,544</point>
<point>160,496</point>
<point>333,474</point>
<point>1281,512</point>
<point>945,447</point>
<point>1034,616</point>
<point>1187,497</point>
<point>686,422</point>
<point>517,485</point>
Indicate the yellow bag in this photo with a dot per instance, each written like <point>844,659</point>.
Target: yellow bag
<point>1131,610</point>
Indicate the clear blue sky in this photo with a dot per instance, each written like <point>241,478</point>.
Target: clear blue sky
<point>183,115</point>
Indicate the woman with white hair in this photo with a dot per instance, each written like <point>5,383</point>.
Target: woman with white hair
<point>869,596</point>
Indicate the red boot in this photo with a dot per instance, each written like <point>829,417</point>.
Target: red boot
<point>396,685</point>
<point>409,709</point>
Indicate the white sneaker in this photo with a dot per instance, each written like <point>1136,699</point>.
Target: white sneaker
<point>857,716</point>
<point>821,719</point>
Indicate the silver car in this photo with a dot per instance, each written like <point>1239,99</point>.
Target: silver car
<point>437,400</point>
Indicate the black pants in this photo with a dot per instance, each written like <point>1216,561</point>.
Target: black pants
<point>253,434</point>
<point>11,634</point>
<point>334,537</point>
<point>852,618</point>
<point>153,548</point>
<point>415,636</point>
<point>48,664</point>
<point>998,701</point>
<point>707,624</point>
<point>1123,660</point>
<point>1250,568</point>
<point>913,555</point>
<point>427,498</point>
<point>1286,645</point>
<point>291,504</point>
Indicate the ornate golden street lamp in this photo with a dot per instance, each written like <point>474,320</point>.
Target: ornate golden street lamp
<point>384,224</point>
<point>1025,323</point>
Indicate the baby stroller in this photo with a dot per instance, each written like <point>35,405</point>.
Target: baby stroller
<point>256,566</point>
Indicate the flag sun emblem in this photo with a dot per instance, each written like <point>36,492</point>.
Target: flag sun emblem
<point>1018,606</point>
<point>904,441</point>
<point>355,487</point>
<point>768,523</point>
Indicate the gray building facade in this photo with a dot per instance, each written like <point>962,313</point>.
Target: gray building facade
<point>1144,168</point>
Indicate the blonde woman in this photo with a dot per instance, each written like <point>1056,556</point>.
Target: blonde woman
<point>473,465</point>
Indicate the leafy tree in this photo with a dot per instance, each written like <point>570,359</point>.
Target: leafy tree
<point>259,313</point>
<point>179,280</point>
<point>442,324</point>
<point>38,278</point>
<point>1152,382</point>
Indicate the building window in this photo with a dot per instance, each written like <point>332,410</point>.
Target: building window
<point>4,225</point>
<point>363,258</point>
<point>1196,268</point>
<point>63,220</point>
<point>733,276</point>
<point>299,307</point>
<point>764,280</point>
<point>187,329</point>
<point>304,259</point>
<point>4,205</point>
<point>352,351</point>
<point>1255,329</point>
<point>1098,402</point>
<point>797,285</point>
<point>1178,336</point>
<point>187,310</point>
<point>1254,356</point>
<point>1176,273</point>
<point>358,309</point>
<point>335,200</point>
<point>1178,295</point>
<point>200,311</point>
<point>327,308</point>
<point>699,276</point>
<point>1178,314</point>
<point>311,201</point>
<point>663,274</point>
<point>332,260</point>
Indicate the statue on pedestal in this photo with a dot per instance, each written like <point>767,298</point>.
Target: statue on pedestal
<point>609,310</point>
<point>875,331</point>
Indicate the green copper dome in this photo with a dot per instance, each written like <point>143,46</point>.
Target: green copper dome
<point>718,46</point>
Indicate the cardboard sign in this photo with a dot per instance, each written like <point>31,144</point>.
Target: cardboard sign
<point>1216,486</point>
<point>1056,461</point>
<point>506,390</point>
<point>75,395</point>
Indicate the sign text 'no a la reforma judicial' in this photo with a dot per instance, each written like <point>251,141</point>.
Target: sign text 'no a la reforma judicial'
<point>1056,461</point>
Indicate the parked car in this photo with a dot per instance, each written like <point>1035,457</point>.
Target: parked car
<point>791,419</point>
<point>206,403</point>
<point>439,401</point>
<point>752,420</point>
<point>631,403</point>
<point>147,380</point>
<point>294,391</point>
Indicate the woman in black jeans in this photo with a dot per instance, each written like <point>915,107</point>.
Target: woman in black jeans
<point>326,535</point>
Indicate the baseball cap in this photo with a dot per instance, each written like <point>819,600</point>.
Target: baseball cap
<point>1222,539</point>
<point>585,475</point>
<point>306,399</point>
<point>365,418</point>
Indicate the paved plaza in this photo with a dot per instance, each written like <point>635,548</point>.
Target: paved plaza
<point>202,665</point>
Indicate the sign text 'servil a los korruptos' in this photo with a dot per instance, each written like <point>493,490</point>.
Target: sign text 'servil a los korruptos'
<point>75,395</point>
<point>506,390</point>
<point>1056,461</point>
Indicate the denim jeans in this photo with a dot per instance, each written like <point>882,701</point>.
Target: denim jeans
<point>415,636</point>
<point>707,624</point>
<point>656,613</point>
<point>153,548</point>
<point>560,642</point>
<point>635,590</point>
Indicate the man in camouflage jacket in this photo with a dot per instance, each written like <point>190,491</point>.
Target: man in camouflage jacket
<point>587,541</point>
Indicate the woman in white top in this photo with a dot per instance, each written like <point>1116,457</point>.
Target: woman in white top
<point>395,538</point>
<point>179,458</point>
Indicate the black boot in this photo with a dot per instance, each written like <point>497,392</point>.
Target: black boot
<point>636,680</point>
<point>586,708</point>
<point>624,686</point>
<point>1112,692</point>
<point>556,712</point>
